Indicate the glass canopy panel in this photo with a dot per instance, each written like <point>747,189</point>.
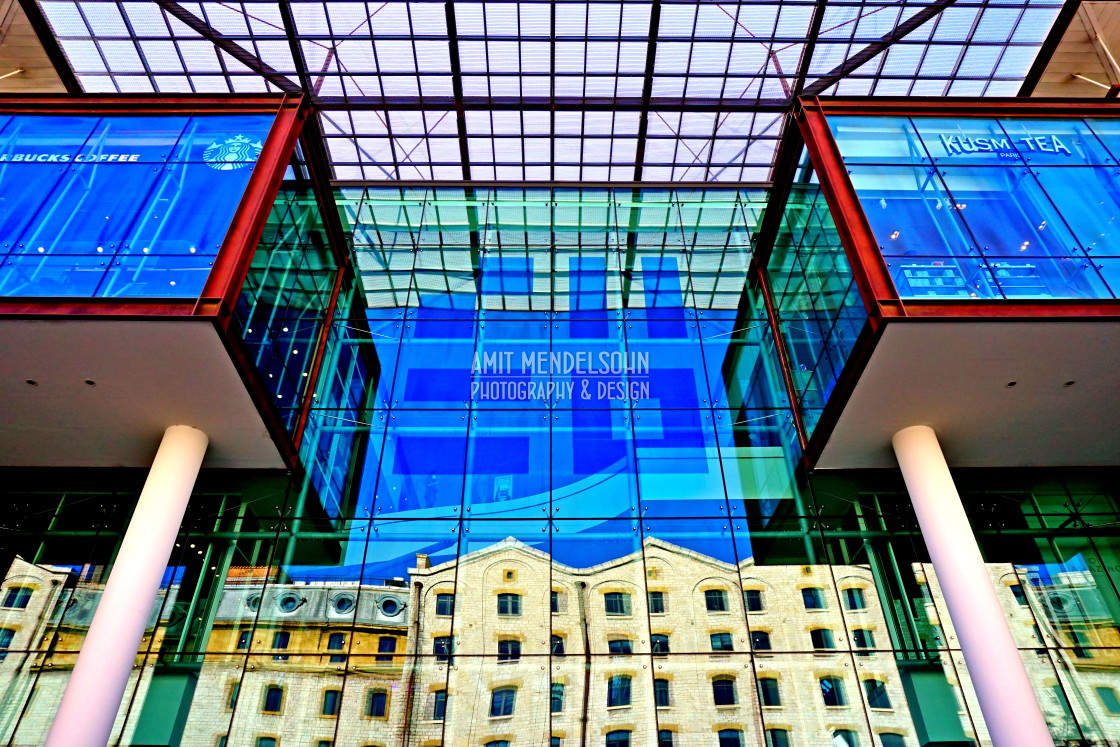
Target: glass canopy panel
<point>615,91</point>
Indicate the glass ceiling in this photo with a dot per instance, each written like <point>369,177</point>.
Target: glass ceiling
<point>608,91</point>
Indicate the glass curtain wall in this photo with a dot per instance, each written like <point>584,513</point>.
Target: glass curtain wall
<point>467,564</point>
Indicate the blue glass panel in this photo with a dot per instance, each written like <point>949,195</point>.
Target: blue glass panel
<point>514,364</point>
<point>508,464</point>
<point>22,187</point>
<point>1062,142</point>
<point>147,139</point>
<point>225,143</point>
<point>1088,199</point>
<point>423,461</point>
<point>910,211</point>
<point>967,141</point>
<point>503,275</point>
<point>52,275</point>
<point>877,140</point>
<point>592,463</point>
<point>433,369</point>
<point>678,464</point>
<point>44,139</point>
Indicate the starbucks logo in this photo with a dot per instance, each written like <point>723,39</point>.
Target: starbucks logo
<point>232,153</point>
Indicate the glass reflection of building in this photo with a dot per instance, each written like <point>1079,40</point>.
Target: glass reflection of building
<point>588,445</point>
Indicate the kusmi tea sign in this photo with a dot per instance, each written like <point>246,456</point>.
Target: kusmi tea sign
<point>1002,146</point>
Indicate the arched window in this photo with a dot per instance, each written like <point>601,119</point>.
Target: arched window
<point>497,743</point>
<point>768,692</point>
<point>661,693</point>
<point>722,642</point>
<point>760,640</point>
<point>659,644</point>
<point>813,598</point>
<point>502,701</point>
<point>377,703</point>
<point>730,738</point>
<point>832,690</point>
<point>445,605</point>
<point>862,638</point>
<point>273,699</point>
<point>620,646</point>
<point>509,649</point>
<point>753,600</point>
<point>331,699</point>
<point>845,738</point>
<point>822,639</point>
<point>617,603</point>
<point>876,692</point>
<point>723,691</point>
<point>890,739</point>
<point>618,691</point>
<point>777,738</point>
<point>715,600</point>
<point>17,597</point>
<point>854,599</point>
<point>618,739</point>
<point>509,604</point>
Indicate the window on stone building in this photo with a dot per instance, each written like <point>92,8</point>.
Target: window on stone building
<point>7,635</point>
<point>1109,699</point>
<point>336,642</point>
<point>832,690</point>
<point>554,603</point>
<point>266,742</point>
<point>753,599</point>
<point>777,738</point>
<point>557,699</point>
<point>555,742</point>
<point>723,691</point>
<point>659,644</point>
<point>243,639</point>
<point>234,691</point>
<point>661,693</point>
<point>1019,594</point>
<point>620,646</point>
<point>273,699</point>
<point>730,738</point>
<point>445,605</point>
<point>439,705</point>
<point>509,649</point>
<point>618,691</point>
<point>557,645</point>
<point>722,642</point>
<point>617,603</point>
<point>813,598</point>
<point>618,739</point>
<point>17,597</point>
<point>509,604</point>
<point>325,743</point>
<point>331,699</point>
<point>497,743</point>
<point>377,703</point>
<point>664,738</point>
<point>822,639</point>
<point>854,599</point>
<point>386,644</point>
<point>768,692</point>
<point>863,638</point>
<point>280,641</point>
<point>876,692</point>
<point>890,739</point>
<point>502,701</point>
<point>715,600</point>
<point>845,738</point>
<point>656,602</point>
<point>442,648</point>
<point>760,640</point>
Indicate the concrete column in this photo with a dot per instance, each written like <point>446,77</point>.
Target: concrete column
<point>1007,700</point>
<point>93,695</point>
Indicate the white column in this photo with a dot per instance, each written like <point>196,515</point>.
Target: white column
<point>1007,700</point>
<point>93,695</point>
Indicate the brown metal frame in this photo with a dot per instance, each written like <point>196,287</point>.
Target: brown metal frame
<point>869,268</point>
<point>215,305</point>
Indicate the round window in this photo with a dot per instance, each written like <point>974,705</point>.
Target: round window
<point>390,606</point>
<point>253,603</point>
<point>343,603</point>
<point>288,603</point>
